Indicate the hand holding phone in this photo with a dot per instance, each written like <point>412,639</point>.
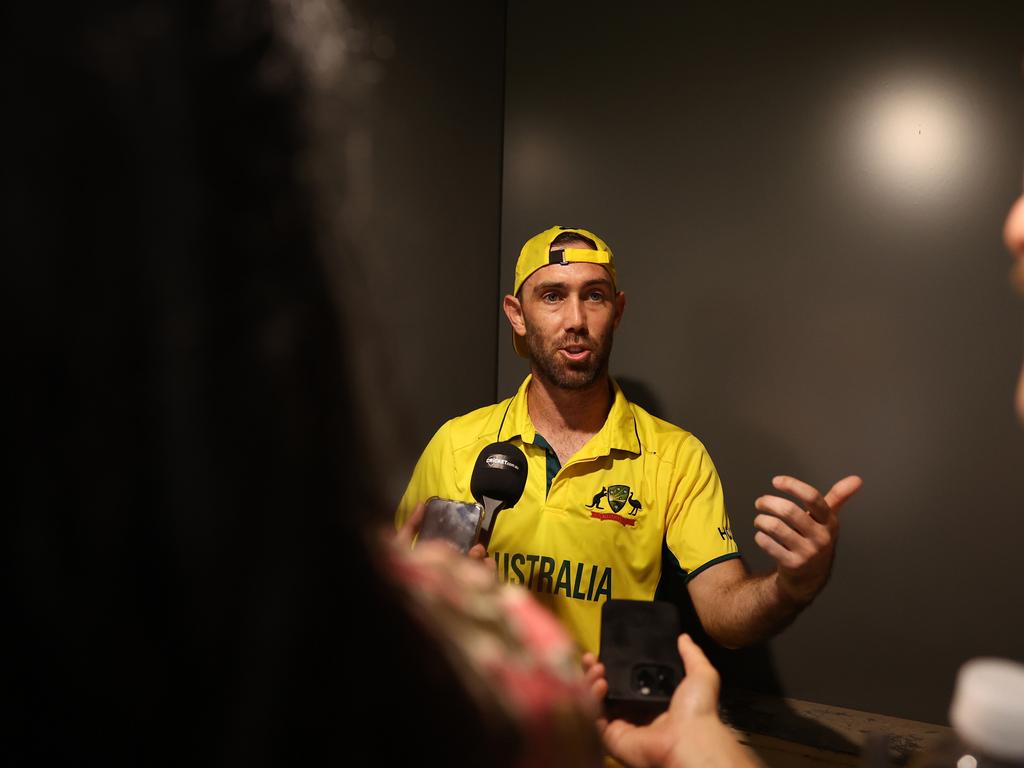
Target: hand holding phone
<point>688,735</point>
<point>457,522</point>
<point>640,657</point>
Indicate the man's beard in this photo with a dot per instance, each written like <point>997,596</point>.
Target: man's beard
<point>551,366</point>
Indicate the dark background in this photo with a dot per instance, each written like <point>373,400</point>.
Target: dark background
<point>805,203</point>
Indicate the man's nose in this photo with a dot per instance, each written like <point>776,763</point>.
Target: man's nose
<point>575,316</point>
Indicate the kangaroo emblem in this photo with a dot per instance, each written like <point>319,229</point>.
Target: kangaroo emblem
<point>636,505</point>
<point>596,503</point>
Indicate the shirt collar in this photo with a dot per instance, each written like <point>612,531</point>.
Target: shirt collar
<point>619,431</point>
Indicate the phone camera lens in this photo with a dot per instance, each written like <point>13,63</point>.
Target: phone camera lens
<point>645,682</point>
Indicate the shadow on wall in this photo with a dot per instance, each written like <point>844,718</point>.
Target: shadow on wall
<point>749,675</point>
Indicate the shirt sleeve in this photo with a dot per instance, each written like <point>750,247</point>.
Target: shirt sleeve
<point>698,531</point>
<point>431,475</point>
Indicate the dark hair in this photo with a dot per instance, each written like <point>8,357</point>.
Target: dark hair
<point>571,238</point>
<point>193,581</point>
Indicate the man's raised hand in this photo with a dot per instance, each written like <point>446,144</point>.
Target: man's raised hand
<point>800,533</point>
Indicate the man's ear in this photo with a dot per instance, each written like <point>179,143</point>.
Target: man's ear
<point>514,312</point>
<point>620,307</point>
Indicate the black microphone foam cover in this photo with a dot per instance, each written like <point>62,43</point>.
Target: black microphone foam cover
<point>500,474</point>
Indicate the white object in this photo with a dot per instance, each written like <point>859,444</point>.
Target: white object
<point>988,707</point>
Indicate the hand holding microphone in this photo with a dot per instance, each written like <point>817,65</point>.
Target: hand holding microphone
<point>498,480</point>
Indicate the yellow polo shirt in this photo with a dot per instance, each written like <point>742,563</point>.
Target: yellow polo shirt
<point>639,502</point>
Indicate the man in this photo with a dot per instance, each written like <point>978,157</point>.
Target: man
<point>616,499</point>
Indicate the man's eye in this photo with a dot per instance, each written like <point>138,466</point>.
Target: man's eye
<point>597,296</point>
<point>550,297</point>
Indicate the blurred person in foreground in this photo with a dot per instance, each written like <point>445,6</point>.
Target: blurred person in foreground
<point>191,578</point>
<point>1013,234</point>
<point>189,582</point>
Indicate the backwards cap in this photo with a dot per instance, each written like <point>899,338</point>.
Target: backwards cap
<point>537,253</point>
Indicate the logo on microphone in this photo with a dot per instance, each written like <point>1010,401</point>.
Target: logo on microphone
<point>497,461</point>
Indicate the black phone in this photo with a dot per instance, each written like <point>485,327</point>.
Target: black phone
<point>640,657</point>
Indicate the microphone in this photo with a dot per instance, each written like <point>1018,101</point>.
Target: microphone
<point>499,477</point>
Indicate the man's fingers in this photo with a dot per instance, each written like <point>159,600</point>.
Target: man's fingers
<point>793,541</point>
<point>775,551</point>
<point>784,509</point>
<point>821,508</point>
<point>842,491</point>
<point>807,494</point>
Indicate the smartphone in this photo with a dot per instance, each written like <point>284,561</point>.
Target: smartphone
<point>457,522</point>
<point>641,658</point>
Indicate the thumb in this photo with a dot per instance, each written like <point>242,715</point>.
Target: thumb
<point>841,492</point>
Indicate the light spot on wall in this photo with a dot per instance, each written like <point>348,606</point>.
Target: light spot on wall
<point>913,140</point>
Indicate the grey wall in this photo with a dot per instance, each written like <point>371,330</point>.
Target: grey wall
<point>424,157</point>
<point>806,208</point>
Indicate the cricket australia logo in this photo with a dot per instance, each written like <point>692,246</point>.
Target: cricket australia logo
<point>617,496</point>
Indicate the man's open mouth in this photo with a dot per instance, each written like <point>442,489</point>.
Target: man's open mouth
<point>576,351</point>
